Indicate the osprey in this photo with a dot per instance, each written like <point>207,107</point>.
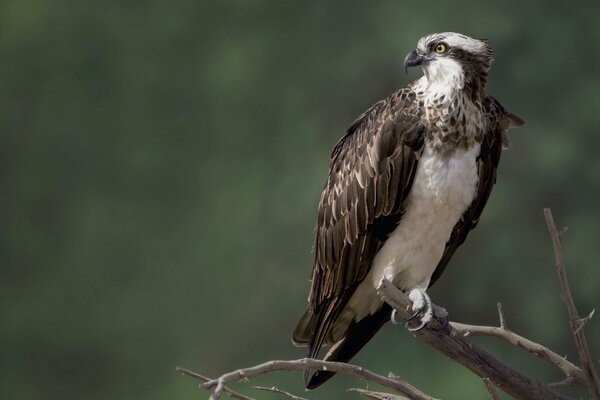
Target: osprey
<point>406,184</point>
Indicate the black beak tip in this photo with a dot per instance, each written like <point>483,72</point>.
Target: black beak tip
<point>413,59</point>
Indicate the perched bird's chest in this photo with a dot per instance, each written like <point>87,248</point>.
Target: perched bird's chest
<point>453,119</point>
<point>444,186</point>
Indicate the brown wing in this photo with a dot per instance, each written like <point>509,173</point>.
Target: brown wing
<point>489,157</point>
<point>370,174</point>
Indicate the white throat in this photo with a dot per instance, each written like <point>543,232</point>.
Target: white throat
<point>446,73</point>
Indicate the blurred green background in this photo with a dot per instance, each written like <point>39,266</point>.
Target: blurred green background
<point>161,163</point>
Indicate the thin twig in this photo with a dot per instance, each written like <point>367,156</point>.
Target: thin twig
<point>304,364</point>
<point>378,395</point>
<point>587,364</point>
<point>490,388</point>
<point>453,344</point>
<point>279,391</point>
<point>228,392</point>
<point>583,321</point>
<point>501,316</point>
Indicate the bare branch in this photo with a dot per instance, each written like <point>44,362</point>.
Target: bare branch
<point>567,368</point>
<point>378,395</point>
<point>218,385</point>
<point>489,385</point>
<point>453,344</point>
<point>567,382</point>
<point>228,392</point>
<point>583,321</point>
<point>279,391</point>
<point>585,357</point>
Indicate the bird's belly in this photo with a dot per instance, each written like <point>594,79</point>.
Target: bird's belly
<point>443,188</point>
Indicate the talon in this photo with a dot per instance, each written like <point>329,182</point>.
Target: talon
<point>416,313</point>
<point>421,306</point>
<point>393,318</point>
<point>418,328</point>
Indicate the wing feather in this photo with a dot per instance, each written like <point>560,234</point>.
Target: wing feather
<point>370,173</point>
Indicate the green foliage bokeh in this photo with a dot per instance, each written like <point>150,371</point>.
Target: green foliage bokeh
<point>161,163</point>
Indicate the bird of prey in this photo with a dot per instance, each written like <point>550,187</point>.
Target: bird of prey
<point>406,184</point>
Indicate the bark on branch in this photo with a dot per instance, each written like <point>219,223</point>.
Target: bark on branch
<point>449,341</point>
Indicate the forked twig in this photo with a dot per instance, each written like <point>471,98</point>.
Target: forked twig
<point>377,395</point>
<point>217,385</point>
<point>232,394</point>
<point>568,368</point>
<point>279,391</point>
<point>576,324</point>
<point>449,341</point>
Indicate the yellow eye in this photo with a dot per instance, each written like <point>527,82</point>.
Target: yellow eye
<point>440,48</point>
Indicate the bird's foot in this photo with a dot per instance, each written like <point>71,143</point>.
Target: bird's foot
<point>421,306</point>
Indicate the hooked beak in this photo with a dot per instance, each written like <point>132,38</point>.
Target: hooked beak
<point>414,58</point>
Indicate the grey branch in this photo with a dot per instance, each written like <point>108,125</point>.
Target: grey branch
<point>217,385</point>
<point>567,382</point>
<point>279,391</point>
<point>575,322</point>
<point>568,368</point>
<point>229,392</point>
<point>378,395</point>
<point>453,344</point>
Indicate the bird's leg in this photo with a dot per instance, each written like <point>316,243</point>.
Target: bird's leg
<point>421,305</point>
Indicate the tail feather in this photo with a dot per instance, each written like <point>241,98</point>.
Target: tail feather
<point>358,334</point>
<point>304,328</point>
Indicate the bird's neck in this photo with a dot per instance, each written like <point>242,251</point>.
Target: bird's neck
<point>454,114</point>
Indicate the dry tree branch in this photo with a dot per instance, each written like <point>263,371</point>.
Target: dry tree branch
<point>229,392</point>
<point>453,344</point>
<point>218,385</point>
<point>567,382</point>
<point>279,391</point>
<point>377,395</point>
<point>568,368</point>
<point>575,322</point>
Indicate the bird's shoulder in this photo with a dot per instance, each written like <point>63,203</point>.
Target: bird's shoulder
<point>499,121</point>
<point>400,108</point>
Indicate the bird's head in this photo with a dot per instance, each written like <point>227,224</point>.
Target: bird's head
<point>452,59</point>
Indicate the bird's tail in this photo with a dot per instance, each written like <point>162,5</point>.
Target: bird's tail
<point>357,335</point>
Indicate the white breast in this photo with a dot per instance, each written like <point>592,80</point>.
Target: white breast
<point>443,188</point>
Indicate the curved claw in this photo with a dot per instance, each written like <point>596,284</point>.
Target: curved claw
<point>416,313</point>
<point>418,328</point>
<point>393,319</point>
